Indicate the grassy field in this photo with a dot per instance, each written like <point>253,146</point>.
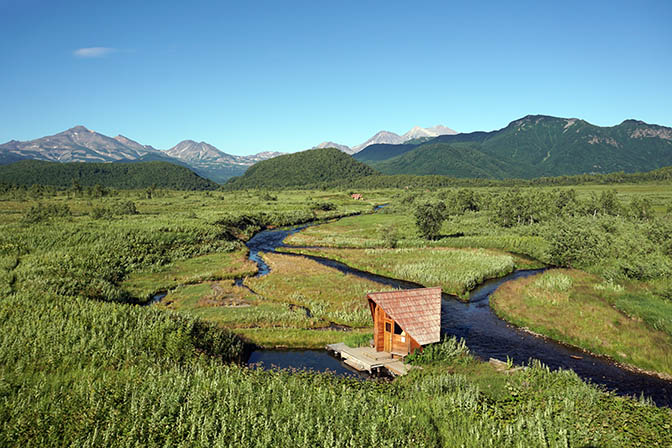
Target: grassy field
<point>456,271</point>
<point>293,306</point>
<point>330,295</point>
<point>81,367</point>
<point>129,376</point>
<point>217,266</point>
<point>583,310</point>
<point>397,224</point>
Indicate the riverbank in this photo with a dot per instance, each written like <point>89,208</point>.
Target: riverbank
<point>577,308</point>
<point>283,327</point>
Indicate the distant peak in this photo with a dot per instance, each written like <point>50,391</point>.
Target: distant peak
<point>633,121</point>
<point>533,119</point>
<point>384,132</point>
<point>79,128</point>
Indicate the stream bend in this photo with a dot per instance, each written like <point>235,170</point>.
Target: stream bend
<point>488,336</point>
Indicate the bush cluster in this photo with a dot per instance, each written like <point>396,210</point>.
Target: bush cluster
<point>44,212</point>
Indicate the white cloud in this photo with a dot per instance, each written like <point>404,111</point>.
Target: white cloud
<point>93,52</point>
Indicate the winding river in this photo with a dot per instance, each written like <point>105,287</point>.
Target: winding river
<point>486,335</point>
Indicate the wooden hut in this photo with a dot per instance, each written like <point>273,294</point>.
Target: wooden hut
<point>404,321</point>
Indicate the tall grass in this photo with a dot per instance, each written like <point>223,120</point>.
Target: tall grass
<point>456,270</point>
<point>446,351</point>
<point>82,372</point>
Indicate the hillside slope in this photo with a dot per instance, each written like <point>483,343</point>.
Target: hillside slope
<point>302,168</point>
<point>112,175</point>
<point>534,146</point>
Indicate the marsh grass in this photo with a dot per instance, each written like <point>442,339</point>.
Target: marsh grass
<point>329,294</point>
<point>358,339</point>
<point>315,338</point>
<point>564,305</point>
<point>217,266</point>
<point>233,307</point>
<point>293,306</point>
<point>468,231</point>
<point>456,271</point>
<point>446,351</point>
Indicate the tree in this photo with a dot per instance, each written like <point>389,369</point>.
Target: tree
<point>576,243</point>
<point>390,237</point>
<point>641,208</point>
<point>609,203</point>
<point>466,200</point>
<point>429,218</point>
<point>76,188</point>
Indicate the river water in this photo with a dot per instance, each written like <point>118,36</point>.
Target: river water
<point>486,335</point>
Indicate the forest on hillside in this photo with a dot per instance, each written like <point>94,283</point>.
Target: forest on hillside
<point>302,168</point>
<point>109,175</point>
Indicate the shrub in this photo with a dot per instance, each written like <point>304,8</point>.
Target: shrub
<point>448,350</point>
<point>575,243</point>
<point>41,212</point>
<point>117,209</point>
<point>324,206</point>
<point>429,218</point>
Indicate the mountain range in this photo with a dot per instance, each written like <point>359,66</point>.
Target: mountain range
<point>533,146</point>
<point>80,144</point>
<point>416,134</point>
<point>530,147</point>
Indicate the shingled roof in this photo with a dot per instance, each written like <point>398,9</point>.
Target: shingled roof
<point>416,311</point>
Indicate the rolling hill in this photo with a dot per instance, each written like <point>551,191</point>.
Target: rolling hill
<point>533,146</point>
<point>310,167</point>
<point>111,175</point>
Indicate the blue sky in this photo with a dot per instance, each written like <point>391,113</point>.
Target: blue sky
<point>253,76</point>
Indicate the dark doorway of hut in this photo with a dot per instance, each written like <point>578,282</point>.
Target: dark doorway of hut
<point>403,322</point>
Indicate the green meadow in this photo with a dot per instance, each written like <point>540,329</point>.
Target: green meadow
<point>624,322</point>
<point>456,271</point>
<point>81,364</point>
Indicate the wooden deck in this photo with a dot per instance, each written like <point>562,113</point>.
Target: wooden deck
<point>367,359</point>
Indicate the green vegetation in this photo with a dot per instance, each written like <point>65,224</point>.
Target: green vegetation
<point>114,210</point>
<point>615,235</point>
<point>408,181</point>
<point>531,147</point>
<point>326,294</point>
<point>358,339</point>
<point>467,231</point>
<point>42,212</point>
<point>111,175</point>
<point>79,365</point>
<point>218,266</point>
<point>448,351</point>
<point>429,218</point>
<point>296,305</point>
<point>310,167</point>
<point>153,388</point>
<point>456,271</point>
<point>574,307</point>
